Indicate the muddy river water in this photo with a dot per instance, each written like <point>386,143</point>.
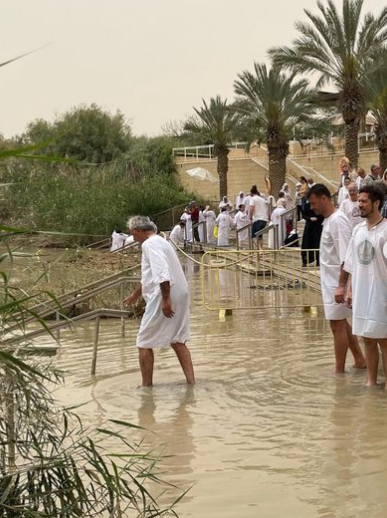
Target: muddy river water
<point>267,431</point>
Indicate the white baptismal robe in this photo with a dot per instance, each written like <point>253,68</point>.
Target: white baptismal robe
<point>240,221</point>
<point>118,240</point>
<point>160,263</point>
<point>368,265</point>
<point>334,243</point>
<point>224,223</point>
<point>210,217</point>
<point>176,235</point>
<point>352,211</point>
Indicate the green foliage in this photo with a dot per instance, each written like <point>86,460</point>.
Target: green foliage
<point>91,199</point>
<point>50,466</point>
<point>85,133</point>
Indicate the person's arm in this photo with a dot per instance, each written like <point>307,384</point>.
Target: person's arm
<point>340,290</point>
<point>251,210</point>
<point>166,304</point>
<point>348,297</point>
<point>136,294</point>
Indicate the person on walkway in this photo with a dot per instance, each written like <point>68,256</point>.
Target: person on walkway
<point>240,199</point>
<point>350,206</point>
<point>257,214</point>
<point>366,262</point>
<point>186,218</point>
<point>361,178</point>
<point>279,223</point>
<point>194,213</point>
<point>241,220</point>
<point>118,239</point>
<point>225,203</point>
<point>303,192</point>
<point>311,237</point>
<point>177,233</point>
<point>344,169</point>
<point>165,290</point>
<point>210,218</point>
<point>343,191</point>
<point>225,224</point>
<point>374,175</point>
<point>333,249</point>
<point>288,196</point>
<point>201,226</point>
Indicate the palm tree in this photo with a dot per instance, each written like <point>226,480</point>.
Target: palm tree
<point>341,50</point>
<point>378,108</point>
<point>272,105</point>
<point>215,123</point>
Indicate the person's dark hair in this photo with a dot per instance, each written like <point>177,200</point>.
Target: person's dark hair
<point>382,185</point>
<point>373,167</point>
<point>240,206</point>
<point>254,190</point>
<point>281,194</point>
<point>303,179</point>
<point>223,209</point>
<point>319,190</point>
<point>374,194</point>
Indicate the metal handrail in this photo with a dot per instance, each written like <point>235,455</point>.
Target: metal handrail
<point>62,299</point>
<point>96,315</point>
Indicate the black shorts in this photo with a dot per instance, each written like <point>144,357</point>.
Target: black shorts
<point>258,225</point>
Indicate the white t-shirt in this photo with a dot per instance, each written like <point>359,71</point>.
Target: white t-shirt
<point>260,208</point>
<point>352,211</point>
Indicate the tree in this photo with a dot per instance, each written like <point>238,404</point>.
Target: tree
<point>341,50</point>
<point>86,133</point>
<point>216,123</point>
<point>272,105</point>
<point>378,108</point>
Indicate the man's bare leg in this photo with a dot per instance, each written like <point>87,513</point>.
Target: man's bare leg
<point>357,353</point>
<point>372,357</point>
<point>383,348</point>
<point>340,342</point>
<point>184,357</point>
<point>146,359</point>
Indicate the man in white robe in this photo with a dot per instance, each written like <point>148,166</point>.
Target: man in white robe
<point>117,240</point>
<point>281,225</point>
<point>186,217</point>
<point>177,233</point>
<point>350,206</point>
<point>241,220</point>
<point>225,224</point>
<point>333,249</point>
<point>210,218</point>
<point>165,290</point>
<point>366,262</point>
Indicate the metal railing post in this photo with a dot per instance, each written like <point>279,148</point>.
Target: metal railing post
<point>95,347</point>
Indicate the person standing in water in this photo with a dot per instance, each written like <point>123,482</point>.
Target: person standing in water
<point>333,249</point>
<point>165,290</point>
<point>366,264</point>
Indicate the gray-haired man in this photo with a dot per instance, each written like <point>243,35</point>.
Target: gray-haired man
<point>165,290</point>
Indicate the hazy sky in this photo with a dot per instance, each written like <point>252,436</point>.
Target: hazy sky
<point>152,59</point>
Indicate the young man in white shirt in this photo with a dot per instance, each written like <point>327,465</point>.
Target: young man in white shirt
<point>258,214</point>
<point>366,262</point>
<point>333,249</point>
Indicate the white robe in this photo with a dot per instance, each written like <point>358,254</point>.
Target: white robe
<point>343,195</point>
<point>333,250</point>
<point>201,227</point>
<point>160,263</point>
<point>118,240</point>
<point>367,264</point>
<point>176,235</point>
<point>352,211</point>
<point>281,227</point>
<point>210,217</point>
<point>239,200</point>
<point>188,226</point>
<point>241,220</point>
<point>247,203</point>
<point>224,223</point>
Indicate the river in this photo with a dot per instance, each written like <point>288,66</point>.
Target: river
<point>267,431</point>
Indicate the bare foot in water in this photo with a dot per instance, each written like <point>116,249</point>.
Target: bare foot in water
<point>360,365</point>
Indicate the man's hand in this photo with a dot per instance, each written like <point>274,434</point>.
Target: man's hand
<point>340,295</point>
<point>348,299</point>
<point>130,300</point>
<point>166,307</point>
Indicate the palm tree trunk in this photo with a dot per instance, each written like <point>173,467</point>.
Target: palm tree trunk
<point>277,170</point>
<point>222,171</point>
<point>383,158</point>
<point>351,142</point>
